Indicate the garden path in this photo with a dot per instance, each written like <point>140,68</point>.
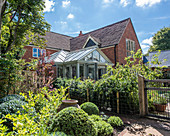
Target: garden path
<point>137,126</point>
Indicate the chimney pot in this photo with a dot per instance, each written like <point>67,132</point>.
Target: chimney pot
<point>80,33</point>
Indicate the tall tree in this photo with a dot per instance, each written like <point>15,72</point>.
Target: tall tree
<point>22,22</point>
<point>161,40</point>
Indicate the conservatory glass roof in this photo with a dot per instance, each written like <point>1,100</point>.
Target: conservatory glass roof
<point>86,54</point>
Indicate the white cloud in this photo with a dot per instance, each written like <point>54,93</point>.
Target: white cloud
<point>145,44</point>
<point>148,41</point>
<point>65,3</point>
<point>70,16</point>
<point>161,18</point>
<point>107,3</point>
<point>63,23</point>
<point>49,5</point>
<point>145,3</point>
<point>124,3</point>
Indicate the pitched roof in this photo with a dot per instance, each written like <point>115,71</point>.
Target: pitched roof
<point>163,55</point>
<point>108,35</point>
<point>57,41</point>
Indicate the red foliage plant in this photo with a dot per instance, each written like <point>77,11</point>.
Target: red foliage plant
<point>44,71</point>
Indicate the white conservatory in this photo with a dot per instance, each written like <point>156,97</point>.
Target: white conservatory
<point>86,63</point>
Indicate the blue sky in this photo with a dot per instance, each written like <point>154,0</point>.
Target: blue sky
<point>70,16</point>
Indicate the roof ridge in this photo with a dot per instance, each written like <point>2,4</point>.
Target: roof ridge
<point>60,34</point>
<point>84,49</point>
<point>103,27</point>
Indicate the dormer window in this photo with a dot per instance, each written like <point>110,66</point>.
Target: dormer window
<point>91,41</point>
<point>130,46</point>
<point>37,52</point>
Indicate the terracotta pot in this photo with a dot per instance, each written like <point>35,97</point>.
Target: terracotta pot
<point>68,103</point>
<point>160,107</point>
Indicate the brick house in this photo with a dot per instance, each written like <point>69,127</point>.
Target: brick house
<point>88,54</point>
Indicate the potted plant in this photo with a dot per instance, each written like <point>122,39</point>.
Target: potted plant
<point>160,104</point>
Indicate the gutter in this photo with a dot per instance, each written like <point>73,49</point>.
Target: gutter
<point>115,53</point>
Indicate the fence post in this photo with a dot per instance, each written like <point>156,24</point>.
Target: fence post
<point>87,95</point>
<point>142,97</point>
<point>117,94</point>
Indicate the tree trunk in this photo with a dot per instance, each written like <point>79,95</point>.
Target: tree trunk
<point>2,9</point>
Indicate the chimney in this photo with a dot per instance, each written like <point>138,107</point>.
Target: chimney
<point>80,34</point>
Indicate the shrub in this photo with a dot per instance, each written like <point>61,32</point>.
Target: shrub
<point>95,118</point>
<point>90,108</point>
<point>11,106</point>
<point>32,123</point>
<point>73,121</point>
<point>104,128</point>
<point>58,133</point>
<point>115,121</point>
<point>12,97</point>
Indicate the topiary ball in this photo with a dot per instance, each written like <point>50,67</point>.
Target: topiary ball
<point>95,118</point>
<point>90,108</point>
<point>73,121</point>
<point>115,121</point>
<point>103,128</point>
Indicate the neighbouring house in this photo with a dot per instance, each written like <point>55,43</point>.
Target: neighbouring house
<point>164,58</point>
<point>88,55</point>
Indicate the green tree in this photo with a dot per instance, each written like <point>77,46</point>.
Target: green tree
<point>21,23</point>
<point>21,19</point>
<point>161,40</point>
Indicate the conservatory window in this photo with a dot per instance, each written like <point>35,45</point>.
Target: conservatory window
<point>96,56</point>
<point>102,59</point>
<point>89,57</point>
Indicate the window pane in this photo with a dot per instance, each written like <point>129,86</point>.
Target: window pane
<point>89,57</point>
<point>34,52</point>
<point>39,53</point>
<point>134,46</point>
<point>126,44</point>
<point>34,49</point>
<point>102,59</point>
<point>91,73</point>
<point>95,56</point>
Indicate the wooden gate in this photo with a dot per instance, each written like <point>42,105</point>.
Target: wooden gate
<point>154,97</point>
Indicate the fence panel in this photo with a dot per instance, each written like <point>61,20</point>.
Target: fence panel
<point>117,102</point>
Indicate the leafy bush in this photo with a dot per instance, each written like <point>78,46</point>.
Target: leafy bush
<point>115,121</point>
<point>95,118</point>
<point>30,123</point>
<point>104,128</point>
<point>57,133</point>
<point>12,97</point>
<point>11,106</point>
<point>90,108</point>
<point>73,121</point>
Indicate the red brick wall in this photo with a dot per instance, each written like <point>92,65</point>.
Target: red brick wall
<point>109,52</point>
<point>28,54</point>
<point>121,47</point>
<point>128,34</point>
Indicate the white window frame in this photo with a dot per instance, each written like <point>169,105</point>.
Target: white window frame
<point>130,46</point>
<point>36,54</point>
